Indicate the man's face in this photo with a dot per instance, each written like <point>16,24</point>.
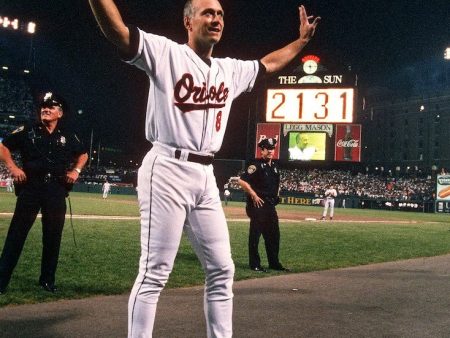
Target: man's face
<point>206,25</point>
<point>267,154</point>
<point>303,141</point>
<point>50,114</point>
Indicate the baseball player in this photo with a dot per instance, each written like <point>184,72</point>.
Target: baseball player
<point>226,195</point>
<point>9,184</point>
<point>330,195</point>
<point>189,101</point>
<point>106,189</point>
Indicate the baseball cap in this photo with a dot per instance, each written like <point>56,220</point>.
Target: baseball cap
<point>268,143</point>
<point>51,99</point>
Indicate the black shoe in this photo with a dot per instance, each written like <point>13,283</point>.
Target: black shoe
<point>50,287</point>
<point>259,269</point>
<point>279,268</point>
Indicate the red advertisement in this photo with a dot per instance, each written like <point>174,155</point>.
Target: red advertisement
<point>348,143</point>
<point>268,130</point>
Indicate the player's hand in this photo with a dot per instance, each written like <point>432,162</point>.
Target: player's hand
<point>72,176</point>
<point>257,201</point>
<point>18,175</point>
<point>307,29</point>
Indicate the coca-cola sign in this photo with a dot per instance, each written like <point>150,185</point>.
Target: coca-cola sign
<point>348,143</point>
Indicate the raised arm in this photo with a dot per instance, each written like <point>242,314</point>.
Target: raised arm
<point>278,59</point>
<point>110,21</point>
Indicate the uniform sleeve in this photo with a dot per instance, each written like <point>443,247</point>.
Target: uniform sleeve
<point>147,49</point>
<point>14,140</point>
<point>244,75</point>
<point>250,174</point>
<point>78,147</point>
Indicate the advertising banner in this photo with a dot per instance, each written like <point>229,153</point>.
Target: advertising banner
<point>268,130</point>
<point>443,187</point>
<point>348,143</point>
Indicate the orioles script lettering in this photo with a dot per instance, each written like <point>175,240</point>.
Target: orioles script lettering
<point>190,97</point>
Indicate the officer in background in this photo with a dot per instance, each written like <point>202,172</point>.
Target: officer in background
<point>261,182</point>
<point>52,159</point>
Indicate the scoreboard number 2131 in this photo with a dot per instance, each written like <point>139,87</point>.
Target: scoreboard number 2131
<point>324,105</point>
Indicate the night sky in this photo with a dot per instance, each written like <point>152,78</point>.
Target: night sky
<point>375,38</point>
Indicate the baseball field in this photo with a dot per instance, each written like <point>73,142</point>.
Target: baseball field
<point>104,259</point>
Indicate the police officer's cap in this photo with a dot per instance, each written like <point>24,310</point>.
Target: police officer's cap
<point>51,99</point>
<point>268,143</point>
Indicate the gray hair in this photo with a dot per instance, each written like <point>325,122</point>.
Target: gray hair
<point>188,9</point>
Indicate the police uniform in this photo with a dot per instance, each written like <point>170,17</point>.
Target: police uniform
<point>46,158</point>
<point>264,179</point>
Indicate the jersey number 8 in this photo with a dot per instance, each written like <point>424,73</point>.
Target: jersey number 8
<point>218,120</point>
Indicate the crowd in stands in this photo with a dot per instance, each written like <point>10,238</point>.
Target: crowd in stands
<point>314,182</point>
<point>15,100</point>
<point>15,96</point>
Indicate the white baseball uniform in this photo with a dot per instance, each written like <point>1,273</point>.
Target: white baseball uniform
<point>106,189</point>
<point>187,112</point>
<point>330,194</point>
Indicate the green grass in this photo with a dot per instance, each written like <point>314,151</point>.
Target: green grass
<point>106,259</point>
<point>87,204</point>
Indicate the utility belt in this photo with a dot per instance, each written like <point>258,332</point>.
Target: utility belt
<point>183,154</point>
<point>43,179</point>
<point>46,177</point>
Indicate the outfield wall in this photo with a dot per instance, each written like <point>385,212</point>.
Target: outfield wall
<point>357,202</point>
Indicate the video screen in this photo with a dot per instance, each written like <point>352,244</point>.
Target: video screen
<point>307,146</point>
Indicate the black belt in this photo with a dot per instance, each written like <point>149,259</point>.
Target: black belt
<point>202,159</point>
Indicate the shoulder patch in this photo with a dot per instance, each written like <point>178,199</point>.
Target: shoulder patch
<point>18,129</point>
<point>251,169</point>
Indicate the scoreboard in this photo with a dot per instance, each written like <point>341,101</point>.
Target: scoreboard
<point>320,105</point>
<point>310,111</point>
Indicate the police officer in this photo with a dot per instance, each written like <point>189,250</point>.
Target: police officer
<point>52,159</point>
<point>261,182</point>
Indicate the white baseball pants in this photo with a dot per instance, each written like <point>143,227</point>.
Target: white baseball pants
<point>175,195</point>
<point>329,203</point>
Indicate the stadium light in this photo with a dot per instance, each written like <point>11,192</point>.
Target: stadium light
<point>4,21</point>
<point>31,28</point>
<point>447,53</point>
<point>5,68</point>
<point>26,71</point>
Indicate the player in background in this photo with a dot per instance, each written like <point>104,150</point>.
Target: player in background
<point>226,194</point>
<point>106,188</point>
<point>189,101</point>
<point>330,195</point>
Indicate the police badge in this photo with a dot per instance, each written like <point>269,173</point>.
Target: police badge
<point>251,169</point>
<point>62,140</point>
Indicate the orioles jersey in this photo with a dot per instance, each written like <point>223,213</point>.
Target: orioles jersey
<point>189,101</point>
